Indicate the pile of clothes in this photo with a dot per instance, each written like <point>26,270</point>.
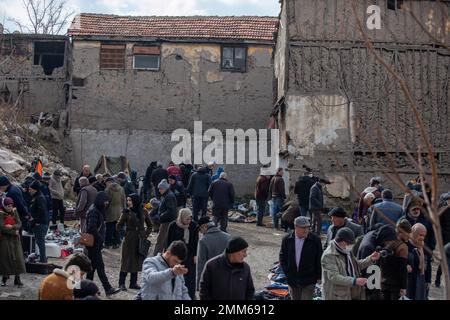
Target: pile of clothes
<point>278,288</point>
<point>241,214</point>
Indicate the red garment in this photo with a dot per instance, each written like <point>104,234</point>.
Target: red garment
<point>9,220</point>
<point>174,170</point>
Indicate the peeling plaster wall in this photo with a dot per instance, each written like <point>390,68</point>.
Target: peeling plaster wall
<point>280,54</point>
<point>189,87</point>
<point>41,93</point>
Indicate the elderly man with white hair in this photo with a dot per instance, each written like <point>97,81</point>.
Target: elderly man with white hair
<point>419,264</point>
<point>86,172</point>
<point>222,194</point>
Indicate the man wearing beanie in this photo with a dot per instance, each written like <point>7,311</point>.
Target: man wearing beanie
<point>213,243</point>
<point>394,274</point>
<point>40,217</point>
<point>339,220</point>
<point>14,192</point>
<point>341,271</point>
<point>300,255</point>
<point>167,213</point>
<point>228,277</point>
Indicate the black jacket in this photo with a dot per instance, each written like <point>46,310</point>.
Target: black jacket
<point>176,233</point>
<point>221,280</point>
<point>310,269</point>
<point>157,175</point>
<point>445,225</point>
<point>316,197</point>
<point>148,175</point>
<point>38,209</point>
<point>96,219</point>
<point>76,185</point>
<point>302,188</point>
<point>167,211</point>
<point>16,194</point>
<point>430,240</point>
<point>222,194</point>
<point>199,183</point>
<point>128,188</point>
<point>180,193</point>
<point>46,192</point>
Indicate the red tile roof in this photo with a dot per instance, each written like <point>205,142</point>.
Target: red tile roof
<point>190,27</point>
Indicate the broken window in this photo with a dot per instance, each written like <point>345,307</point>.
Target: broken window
<point>146,57</point>
<point>49,55</point>
<point>112,56</point>
<point>234,58</point>
<point>394,4</point>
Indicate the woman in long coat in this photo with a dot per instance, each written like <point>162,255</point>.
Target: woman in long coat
<point>186,230</point>
<point>11,261</point>
<point>133,218</point>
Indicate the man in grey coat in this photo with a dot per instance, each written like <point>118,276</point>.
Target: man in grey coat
<point>339,220</point>
<point>162,275</point>
<point>213,243</point>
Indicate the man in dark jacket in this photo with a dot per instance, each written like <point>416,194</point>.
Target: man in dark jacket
<point>126,184</point>
<point>157,175</point>
<point>198,189</point>
<point>445,227</point>
<point>302,189</point>
<point>14,193</point>
<point>40,218</point>
<point>147,183</point>
<point>96,227</point>
<point>262,195</point>
<point>46,191</point>
<point>277,196</point>
<point>85,173</point>
<point>228,277</point>
<point>339,220</point>
<point>316,204</point>
<point>300,256</point>
<point>178,190</point>
<point>167,213</point>
<point>222,194</point>
<point>86,198</point>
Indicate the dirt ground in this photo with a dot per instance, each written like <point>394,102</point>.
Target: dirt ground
<point>262,254</point>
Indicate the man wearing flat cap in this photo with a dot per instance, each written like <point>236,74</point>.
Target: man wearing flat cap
<point>228,277</point>
<point>339,220</point>
<point>300,255</point>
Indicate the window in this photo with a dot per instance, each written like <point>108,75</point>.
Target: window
<point>112,56</point>
<point>234,58</point>
<point>394,4</point>
<point>49,55</point>
<point>146,57</point>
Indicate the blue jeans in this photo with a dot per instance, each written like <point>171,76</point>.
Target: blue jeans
<point>275,206</point>
<point>40,232</point>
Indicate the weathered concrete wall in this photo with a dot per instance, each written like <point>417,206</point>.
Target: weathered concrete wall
<point>189,87</point>
<point>280,63</point>
<point>335,20</point>
<point>40,92</point>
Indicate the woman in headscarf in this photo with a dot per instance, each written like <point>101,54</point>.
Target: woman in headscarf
<point>134,218</point>
<point>11,261</point>
<point>186,230</point>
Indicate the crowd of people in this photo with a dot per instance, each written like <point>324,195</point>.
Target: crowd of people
<point>195,257</point>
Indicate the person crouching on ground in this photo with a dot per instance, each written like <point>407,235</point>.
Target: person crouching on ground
<point>341,272</point>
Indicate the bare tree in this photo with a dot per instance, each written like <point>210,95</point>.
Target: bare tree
<point>45,16</point>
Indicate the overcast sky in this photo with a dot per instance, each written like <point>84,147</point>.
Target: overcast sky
<point>15,9</point>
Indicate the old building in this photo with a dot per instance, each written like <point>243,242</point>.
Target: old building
<point>33,72</point>
<point>333,97</point>
<point>134,80</point>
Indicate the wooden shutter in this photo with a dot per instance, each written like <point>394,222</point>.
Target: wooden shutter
<point>146,50</point>
<point>112,56</point>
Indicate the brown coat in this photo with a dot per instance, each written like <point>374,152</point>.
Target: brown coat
<point>117,201</point>
<point>276,188</point>
<point>131,261</point>
<point>11,254</point>
<point>86,198</point>
<point>262,188</point>
<point>54,287</point>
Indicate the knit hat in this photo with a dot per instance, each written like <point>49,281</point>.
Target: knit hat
<point>163,184</point>
<point>302,222</point>
<point>173,177</point>
<point>35,185</point>
<point>404,225</point>
<point>4,181</point>
<point>203,220</point>
<point>345,234</point>
<point>46,176</point>
<point>110,179</point>
<point>122,175</point>
<point>338,212</point>
<point>155,202</point>
<point>386,233</point>
<point>7,201</point>
<point>92,179</point>
<point>416,203</point>
<point>236,244</point>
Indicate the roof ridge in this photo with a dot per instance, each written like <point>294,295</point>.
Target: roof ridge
<point>174,17</point>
